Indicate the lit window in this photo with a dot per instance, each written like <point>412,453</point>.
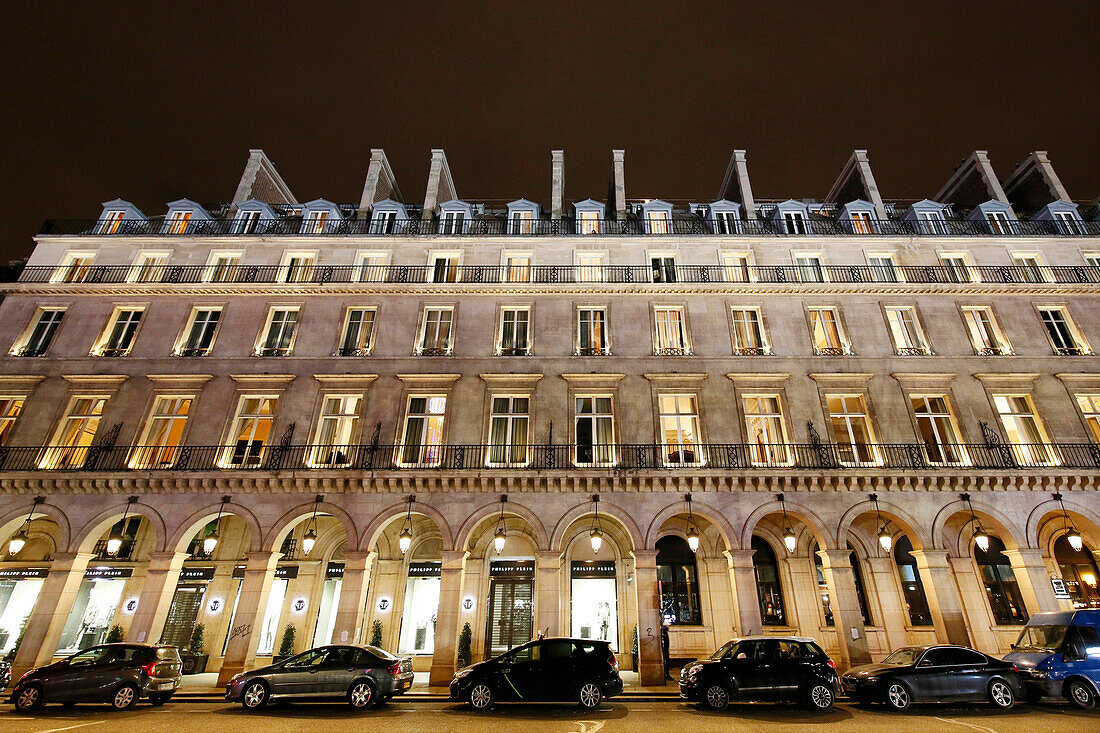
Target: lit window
<point>851,429</point>
<point>282,324</point>
<point>671,334</point>
<point>748,332</point>
<point>737,267</point>
<point>10,409</point>
<point>664,269</point>
<point>1093,263</point>
<point>74,269</point>
<point>595,431</point>
<point>358,337</point>
<point>508,425</point>
<point>163,433</point>
<point>522,222</point>
<point>827,335</point>
<point>118,338</point>
<point>658,222</point>
<point>247,221</point>
<point>725,222</point>
<point>1023,431</point>
<point>590,267</point>
<point>764,430</point>
<point>999,222</point>
<point>222,267</point>
<point>985,334</point>
<point>906,332</point>
<point>336,430</point>
<point>149,268</point>
<point>315,222</point>
<point>179,221</point>
<point>435,337</point>
<point>588,222</point>
<point>514,324</point>
<point>862,222</point>
<point>937,429</point>
<point>372,267</point>
<point>445,268</point>
<point>1064,337</point>
<point>769,590</point>
<point>912,587</point>
<point>1029,269</point>
<point>37,338</point>
<point>422,441</point>
<point>681,443</point>
<point>297,267</point>
<point>678,582</point>
<point>1001,587</point>
<point>517,268</point>
<point>69,447</point>
<point>1090,410</point>
<point>200,331</point>
<point>957,268</point>
<point>110,222</point>
<point>592,337</point>
<point>882,269</point>
<point>250,432</point>
<point>809,269</point>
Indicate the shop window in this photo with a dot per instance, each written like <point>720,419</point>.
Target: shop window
<point>91,614</point>
<point>1080,573</point>
<point>824,593</point>
<point>328,607</point>
<point>768,588</point>
<point>594,601</point>
<point>1001,589</point>
<point>421,605</point>
<point>18,594</point>
<point>422,440</point>
<point>912,588</point>
<point>678,582</point>
<point>269,629</point>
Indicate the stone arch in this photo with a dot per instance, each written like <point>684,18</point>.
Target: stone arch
<point>891,511</point>
<point>88,535</point>
<point>478,517</point>
<point>704,510</point>
<point>1036,525</point>
<point>12,520</point>
<point>186,530</point>
<point>1007,530</point>
<point>282,526</point>
<point>802,513</point>
<point>373,530</point>
<point>579,511</point>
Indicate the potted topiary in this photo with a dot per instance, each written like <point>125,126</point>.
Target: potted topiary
<point>286,646</point>
<point>376,634</point>
<point>115,635</point>
<point>634,651</point>
<point>464,640</point>
<point>195,658</point>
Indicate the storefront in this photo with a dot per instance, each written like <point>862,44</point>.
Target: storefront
<point>421,604</point>
<point>510,620</point>
<point>19,588</point>
<point>273,612</point>
<point>186,605</point>
<point>93,609</point>
<point>329,605</point>
<point>594,601</point>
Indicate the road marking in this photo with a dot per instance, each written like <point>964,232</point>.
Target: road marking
<point>596,725</point>
<point>968,725</point>
<point>70,727</point>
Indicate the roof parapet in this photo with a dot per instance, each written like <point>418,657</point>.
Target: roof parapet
<point>380,184</point>
<point>856,181</point>
<point>557,182</point>
<point>973,182</point>
<point>736,186</point>
<point>1034,183</point>
<point>617,194</point>
<point>440,185</point>
<point>262,182</point>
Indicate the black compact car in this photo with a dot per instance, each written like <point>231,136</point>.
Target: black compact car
<point>935,673</point>
<point>5,673</point>
<point>362,675</point>
<point>584,671</point>
<point>762,668</point>
<point>116,673</point>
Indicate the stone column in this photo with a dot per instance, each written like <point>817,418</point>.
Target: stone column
<point>747,600</point>
<point>723,613</point>
<point>244,637</point>
<point>452,574</point>
<point>1033,577</point>
<point>651,665</point>
<point>802,606</point>
<point>836,565</point>
<point>975,603</point>
<point>157,591</point>
<point>944,599</point>
<point>43,629</point>
<point>348,628</point>
<point>548,594</point>
<point>887,588</point>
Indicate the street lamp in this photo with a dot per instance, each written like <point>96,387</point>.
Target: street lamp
<point>501,535</point>
<point>310,538</point>
<point>981,539</point>
<point>789,540</point>
<point>595,535</point>
<point>405,539</point>
<point>19,540</point>
<point>692,534</point>
<point>210,541</point>
<point>885,539</point>
<point>1073,537</point>
<point>114,540</point>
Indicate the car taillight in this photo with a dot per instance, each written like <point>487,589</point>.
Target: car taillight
<point>1015,668</point>
<point>614,662</point>
<point>149,669</point>
<point>394,668</point>
<point>830,662</point>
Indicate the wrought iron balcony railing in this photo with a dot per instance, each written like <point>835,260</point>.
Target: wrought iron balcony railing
<point>628,456</point>
<point>568,274</point>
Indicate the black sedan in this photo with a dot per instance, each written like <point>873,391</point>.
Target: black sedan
<point>362,675</point>
<point>584,671</point>
<point>762,668</point>
<point>935,674</point>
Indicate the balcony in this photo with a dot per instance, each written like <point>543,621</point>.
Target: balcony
<point>632,456</point>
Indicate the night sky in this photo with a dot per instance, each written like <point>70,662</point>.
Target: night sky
<point>154,102</point>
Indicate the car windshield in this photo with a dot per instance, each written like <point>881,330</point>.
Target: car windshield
<point>1042,638</point>
<point>723,650</point>
<point>905,655</point>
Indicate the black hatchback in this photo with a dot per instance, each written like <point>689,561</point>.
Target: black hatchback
<point>584,671</point>
<point>760,669</point>
<point>935,673</point>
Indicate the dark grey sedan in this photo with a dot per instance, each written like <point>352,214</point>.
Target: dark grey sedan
<point>362,675</point>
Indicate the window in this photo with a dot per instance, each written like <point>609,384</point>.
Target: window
<point>358,338</point>
<point>10,408</point>
<point>1079,572</point>
<point>764,430</point>
<point>957,268</point>
<point>862,222</point>
<point>315,222</point>
<point>149,268</point>
<point>590,267</point>
<point>725,222</point>
<point>809,269</point>
<point>823,587</point>
<point>999,222</point>
<point>678,582</point>
<point>517,268</point>
<point>201,328</point>
<point>1023,430</point>
<point>250,431</point>
<point>452,222</point>
<point>1093,263</point>
<point>592,336</point>
<point>435,337</point>
<point>336,430</point>
<point>768,588</point>
<point>931,222</point>
<point>422,440</point>
<point>282,324</point>
<point>1090,410</point>
<point>664,269</point>
<point>163,432</point>
<point>985,334</point>
<point>78,427</point>
<point>179,221</point>
<point>445,268</point>
<point>906,332</point>
<point>523,222</point>
<point>658,222</point>
<point>74,269</point>
<point>514,325</point>
<point>851,429</point>
<point>110,222</point>
<point>1029,269</point>
<point>794,222</point>
<point>912,588</point>
<point>372,267</point>
<point>1001,588</point>
<point>737,267</point>
<point>681,443</point>
<point>937,429</point>
<point>827,335</point>
<point>748,332</point>
<point>247,221</point>
<point>671,335</point>
<point>882,269</point>
<point>297,266</point>
<point>1064,337</point>
<point>1068,223</point>
<point>223,267</point>
<point>508,431</point>
<point>118,338</point>
<point>383,222</point>
<point>595,431</point>
<point>39,336</point>
<point>588,222</point>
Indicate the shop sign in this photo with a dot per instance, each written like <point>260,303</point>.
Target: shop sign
<point>592,569</point>
<point>384,604</point>
<point>299,605</point>
<point>334,570</point>
<point>425,569</point>
<point>107,573</point>
<point>214,606</point>
<point>281,571</point>
<point>512,569</point>
<point>130,605</point>
<point>468,604</point>
<point>23,573</point>
<point>1061,593</point>
<point>189,573</point>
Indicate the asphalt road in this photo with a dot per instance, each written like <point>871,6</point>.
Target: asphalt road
<point>613,717</point>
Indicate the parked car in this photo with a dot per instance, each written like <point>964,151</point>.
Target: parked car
<point>362,675</point>
<point>584,671</point>
<point>5,673</point>
<point>762,668</point>
<point>1058,655</point>
<point>935,673</point>
<point>116,673</point>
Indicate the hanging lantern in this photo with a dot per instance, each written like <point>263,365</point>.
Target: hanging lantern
<point>1073,537</point>
<point>789,540</point>
<point>981,539</point>
<point>19,540</point>
<point>114,540</point>
<point>885,539</point>
<point>692,533</point>
<point>310,538</point>
<point>210,541</point>
<point>501,535</point>
<point>595,535</point>
<point>405,539</point>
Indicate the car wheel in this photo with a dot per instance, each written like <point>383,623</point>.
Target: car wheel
<point>717,697</point>
<point>590,696</point>
<point>158,700</point>
<point>125,697</point>
<point>1077,692</point>
<point>361,695</point>
<point>820,697</point>
<point>1001,695</point>
<point>29,698</point>
<point>254,696</point>
<point>481,696</point>
<point>898,697</point>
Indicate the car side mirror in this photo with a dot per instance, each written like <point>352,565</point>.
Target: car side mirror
<point>925,663</point>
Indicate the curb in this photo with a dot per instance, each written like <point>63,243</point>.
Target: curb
<point>198,697</point>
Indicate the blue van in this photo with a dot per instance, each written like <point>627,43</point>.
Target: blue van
<point>1058,655</point>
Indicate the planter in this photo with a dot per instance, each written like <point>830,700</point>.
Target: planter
<point>194,663</point>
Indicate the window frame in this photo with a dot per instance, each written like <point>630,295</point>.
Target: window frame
<point>363,269</point>
<point>141,266</point>
<point>189,325</point>
<point>74,267</point>
<point>845,346</point>
<point>852,447</point>
<point>743,261</point>
<point>423,449</point>
<point>507,269</point>
<point>800,267</point>
<point>8,422</point>
<point>22,342</point>
<point>895,272</point>
<point>1040,453</point>
<point>605,350</point>
<point>656,312</point>
<point>765,348</point>
<point>592,272</point>
<point>212,267</point>
<point>342,349</point>
<point>959,447</point>
<point>100,348</point>
<point>1080,345</point>
<point>502,319</point>
<point>265,332</point>
<point>1002,348</point>
<point>510,418</point>
<point>57,456</point>
<point>144,459</point>
<point>952,270</point>
<point>234,428</point>
<point>419,348</point>
<point>596,447</point>
<point>695,425</point>
<point>339,418</point>
<point>452,270</point>
<point>922,347</point>
<point>771,453</point>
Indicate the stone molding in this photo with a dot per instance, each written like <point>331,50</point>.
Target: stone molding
<point>525,378</point>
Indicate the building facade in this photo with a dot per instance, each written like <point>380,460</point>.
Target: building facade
<point>871,422</point>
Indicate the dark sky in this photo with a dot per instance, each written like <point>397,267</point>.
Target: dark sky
<point>153,102</point>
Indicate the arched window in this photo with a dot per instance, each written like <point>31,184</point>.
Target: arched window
<point>823,588</point>
<point>1080,573</point>
<point>1000,584</point>
<point>911,586</point>
<point>768,589</point>
<point>678,582</point>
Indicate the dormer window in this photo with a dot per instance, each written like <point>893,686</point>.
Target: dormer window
<point>247,221</point>
<point>315,222</point>
<point>862,223</point>
<point>383,222</point>
<point>179,221</point>
<point>522,222</point>
<point>999,223</point>
<point>931,222</point>
<point>725,222</point>
<point>1068,222</point>
<point>452,222</point>
<point>794,222</point>
<point>588,222</point>
<point>110,222</point>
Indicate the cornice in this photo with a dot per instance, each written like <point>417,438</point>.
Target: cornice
<point>676,376</point>
<point>997,377</point>
<point>20,379</point>
<point>583,378</point>
<point>96,381</point>
<point>924,376</point>
<point>421,380</point>
<point>493,378</point>
<point>179,378</point>
<point>759,376</point>
<point>841,376</point>
<point>1078,376</point>
<point>345,378</point>
<point>252,379</point>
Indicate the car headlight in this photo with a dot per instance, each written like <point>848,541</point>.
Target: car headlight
<point>463,673</point>
<point>1040,674</point>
